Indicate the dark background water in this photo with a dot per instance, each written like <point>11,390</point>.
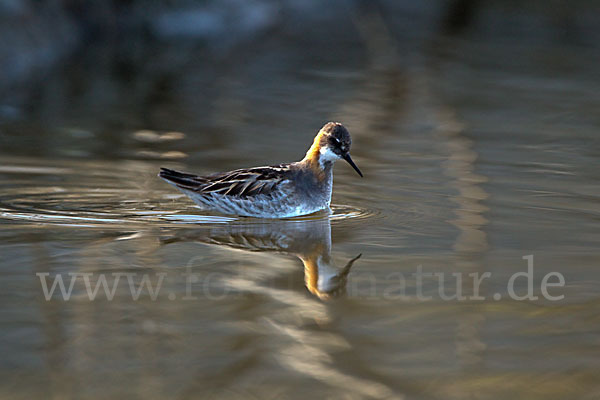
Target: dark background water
<point>474,122</point>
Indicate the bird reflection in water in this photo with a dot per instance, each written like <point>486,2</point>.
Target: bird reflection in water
<point>307,239</point>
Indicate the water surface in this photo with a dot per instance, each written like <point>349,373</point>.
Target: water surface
<point>474,156</point>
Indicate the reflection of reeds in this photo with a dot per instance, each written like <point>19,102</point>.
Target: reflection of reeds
<point>393,88</point>
<point>460,167</point>
<point>379,99</point>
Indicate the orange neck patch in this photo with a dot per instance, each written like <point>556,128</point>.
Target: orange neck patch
<point>311,159</point>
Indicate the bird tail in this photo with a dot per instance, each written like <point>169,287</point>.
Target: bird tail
<point>181,179</point>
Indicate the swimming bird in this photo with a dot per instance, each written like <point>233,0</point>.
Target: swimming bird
<point>277,191</point>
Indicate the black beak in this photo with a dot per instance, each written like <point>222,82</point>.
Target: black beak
<point>349,160</point>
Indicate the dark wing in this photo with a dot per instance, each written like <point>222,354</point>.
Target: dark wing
<point>240,183</point>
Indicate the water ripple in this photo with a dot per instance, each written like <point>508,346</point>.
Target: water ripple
<point>84,207</point>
